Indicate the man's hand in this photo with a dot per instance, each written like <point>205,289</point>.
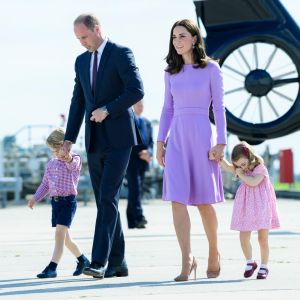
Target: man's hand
<point>98,115</point>
<point>66,148</point>
<point>67,157</point>
<point>144,155</point>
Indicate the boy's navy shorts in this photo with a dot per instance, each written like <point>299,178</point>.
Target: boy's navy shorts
<point>63,210</point>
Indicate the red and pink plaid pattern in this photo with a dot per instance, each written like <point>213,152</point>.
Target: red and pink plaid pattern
<point>60,178</point>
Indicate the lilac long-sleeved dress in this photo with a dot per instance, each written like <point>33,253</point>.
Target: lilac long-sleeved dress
<point>190,177</point>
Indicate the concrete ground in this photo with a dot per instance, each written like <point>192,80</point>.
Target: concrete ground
<point>26,244</point>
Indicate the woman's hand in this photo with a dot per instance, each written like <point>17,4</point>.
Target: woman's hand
<point>217,152</point>
<point>160,153</point>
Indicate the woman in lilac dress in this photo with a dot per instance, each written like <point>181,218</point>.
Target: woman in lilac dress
<point>193,82</point>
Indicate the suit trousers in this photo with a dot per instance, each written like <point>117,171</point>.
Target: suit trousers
<point>107,169</point>
<point>135,178</point>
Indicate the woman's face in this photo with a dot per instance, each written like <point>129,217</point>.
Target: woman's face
<point>242,163</point>
<point>183,40</point>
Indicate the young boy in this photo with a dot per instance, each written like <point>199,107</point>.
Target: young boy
<point>60,181</point>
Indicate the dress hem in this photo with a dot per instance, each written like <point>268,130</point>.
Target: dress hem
<point>255,229</point>
<point>194,203</point>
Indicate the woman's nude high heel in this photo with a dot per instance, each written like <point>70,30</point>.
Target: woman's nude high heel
<point>183,277</point>
<point>214,273</point>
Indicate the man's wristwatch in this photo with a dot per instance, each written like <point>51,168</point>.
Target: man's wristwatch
<point>104,109</point>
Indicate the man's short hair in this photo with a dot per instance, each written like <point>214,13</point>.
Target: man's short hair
<point>89,20</point>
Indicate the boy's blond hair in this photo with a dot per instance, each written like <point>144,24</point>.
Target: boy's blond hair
<point>56,138</point>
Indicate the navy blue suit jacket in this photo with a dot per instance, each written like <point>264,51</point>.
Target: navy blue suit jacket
<point>147,140</point>
<point>145,144</point>
<point>118,87</point>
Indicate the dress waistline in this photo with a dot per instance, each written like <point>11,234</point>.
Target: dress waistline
<point>191,111</point>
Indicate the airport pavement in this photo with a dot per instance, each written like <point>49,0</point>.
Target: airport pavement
<point>26,243</point>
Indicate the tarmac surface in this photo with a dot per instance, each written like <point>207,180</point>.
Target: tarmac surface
<point>153,257</point>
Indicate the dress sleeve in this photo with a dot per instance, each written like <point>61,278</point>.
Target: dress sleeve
<point>167,112</point>
<point>217,92</point>
<point>260,169</point>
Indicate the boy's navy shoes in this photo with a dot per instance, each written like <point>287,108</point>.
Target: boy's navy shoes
<point>80,266</point>
<point>47,273</point>
<point>95,270</point>
<point>116,271</point>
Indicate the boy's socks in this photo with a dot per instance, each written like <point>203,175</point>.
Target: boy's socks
<point>82,258</point>
<point>52,266</point>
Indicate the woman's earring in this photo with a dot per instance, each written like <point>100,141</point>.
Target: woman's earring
<point>193,45</point>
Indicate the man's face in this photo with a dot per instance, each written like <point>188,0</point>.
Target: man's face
<point>90,39</point>
<point>138,108</point>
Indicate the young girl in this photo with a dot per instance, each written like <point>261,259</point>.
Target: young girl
<point>254,205</point>
<point>60,181</point>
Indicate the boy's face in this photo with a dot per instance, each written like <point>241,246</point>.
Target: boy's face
<point>55,150</point>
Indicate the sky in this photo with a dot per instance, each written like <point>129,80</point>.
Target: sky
<point>38,50</point>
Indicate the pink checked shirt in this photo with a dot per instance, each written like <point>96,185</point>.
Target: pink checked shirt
<point>60,178</point>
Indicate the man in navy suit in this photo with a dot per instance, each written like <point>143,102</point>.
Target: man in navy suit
<point>107,84</point>
<point>140,158</point>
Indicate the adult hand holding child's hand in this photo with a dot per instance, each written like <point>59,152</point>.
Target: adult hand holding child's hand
<point>217,152</point>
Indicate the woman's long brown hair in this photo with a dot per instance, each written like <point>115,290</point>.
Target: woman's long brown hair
<point>175,61</point>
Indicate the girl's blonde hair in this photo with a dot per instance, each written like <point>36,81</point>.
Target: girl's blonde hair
<point>243,149</point>
<point>56,138</point>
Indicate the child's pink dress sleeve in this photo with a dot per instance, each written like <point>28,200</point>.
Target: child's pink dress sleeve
<point>260,169</point>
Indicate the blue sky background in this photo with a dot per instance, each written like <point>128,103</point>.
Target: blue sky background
<point>38,50</point>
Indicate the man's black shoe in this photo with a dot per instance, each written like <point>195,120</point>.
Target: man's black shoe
<point>116,271</point>
<point>95,270</point>
<point>144,220</point>
<point>47,273</point>
<point>80,266</point>
<point>140,225</point>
